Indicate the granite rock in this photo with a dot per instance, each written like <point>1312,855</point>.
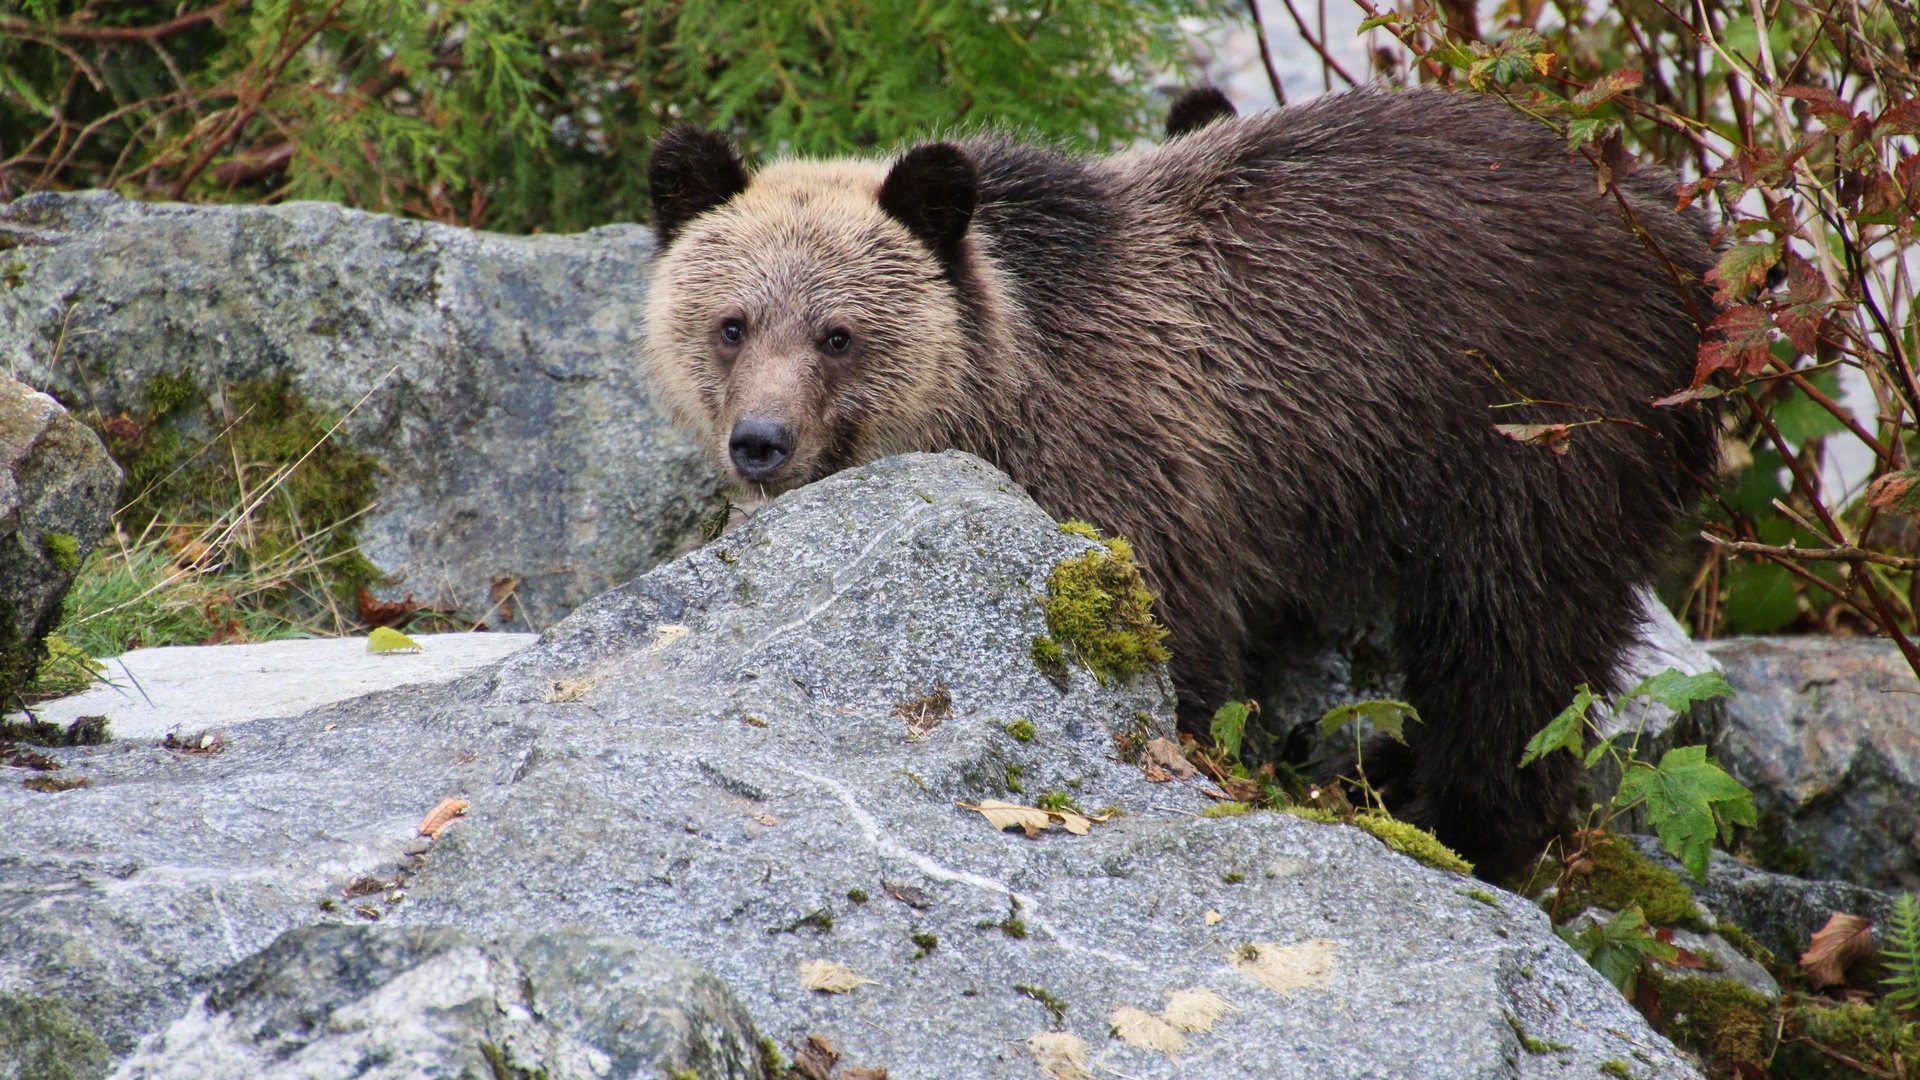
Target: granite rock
<point>752,756</point>
<point>471,351</point>
<point>326,1001</point>
<point>1826,733</point>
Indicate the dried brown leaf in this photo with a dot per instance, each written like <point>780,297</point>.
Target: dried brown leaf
<point>1074,823</point>
<point>1060,1055</point>
<point>815,1058</point>
<point>1166,754</point>
<point>1006,815</point>
<point>1286,968</point>
<point>1843,940</point>
<point>441,816</point>
<point>1213,918</point>
<point>829,977</point>
<point>1141,1029</point>
<point>863,1074</point>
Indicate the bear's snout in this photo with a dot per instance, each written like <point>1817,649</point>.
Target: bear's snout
<point>759,447</point>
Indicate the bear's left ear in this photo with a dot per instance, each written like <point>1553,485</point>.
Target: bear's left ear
<point>932,191</point>
<point>689,172</point>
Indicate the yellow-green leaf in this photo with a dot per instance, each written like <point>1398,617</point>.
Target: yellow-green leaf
<point>385,639</point>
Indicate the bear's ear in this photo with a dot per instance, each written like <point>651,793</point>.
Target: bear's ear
<point>1197,108</point>
<point>689,172</point>
<point>932,191</point>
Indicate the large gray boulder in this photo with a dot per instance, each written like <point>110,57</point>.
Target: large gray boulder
<point>517,438</point>
<point>58,489</point>
<point>753,756</point>
<point>1826,732</point>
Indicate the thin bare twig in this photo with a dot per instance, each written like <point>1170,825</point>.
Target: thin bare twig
<point>1266,53</point>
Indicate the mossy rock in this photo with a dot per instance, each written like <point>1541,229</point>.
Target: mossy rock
<point>1621,877</point>
<point>1099,613</point>
<point>1727,1024</point>
<point>41,1039</point>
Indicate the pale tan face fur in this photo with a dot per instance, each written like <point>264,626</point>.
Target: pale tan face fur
<point>801,257</point>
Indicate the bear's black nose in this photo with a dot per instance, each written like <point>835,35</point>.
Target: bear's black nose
<point>758,447</point>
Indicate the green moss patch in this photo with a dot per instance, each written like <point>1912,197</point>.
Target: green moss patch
<point>1408,840</point>
<point>1620,878</point>
<point>42,1040</point>
<point>1099,613</point>
<point>62,550</point>
<point>1724,1022</point>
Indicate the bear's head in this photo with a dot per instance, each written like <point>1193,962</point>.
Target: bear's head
<point>809,317</point>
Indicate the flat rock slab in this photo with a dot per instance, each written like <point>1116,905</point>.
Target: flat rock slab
<point>717,757</point>
<point>191,688</point>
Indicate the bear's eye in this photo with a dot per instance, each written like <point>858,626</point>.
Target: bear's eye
<point>733,331</point>
<point>838,340</point>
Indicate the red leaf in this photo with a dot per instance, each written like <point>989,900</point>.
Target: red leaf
<point>1823,102</point>
<point>1694,189</point>
<point>1746,348</point>
<point>1804,306</point>
<point>1742,268</point>
<point>1896,492</point>
<point>1901,118</point>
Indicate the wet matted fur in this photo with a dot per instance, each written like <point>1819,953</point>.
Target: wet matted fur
<point>1264,352</point>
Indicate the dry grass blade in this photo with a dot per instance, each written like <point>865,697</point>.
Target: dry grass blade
<point>1286,968</point>
<point>1141,1029</point>
<point>1843,940</point>
<point>831,978</point>
<point>1062,1056</point>
<point>1196,1008</point>
<point>441,816</point>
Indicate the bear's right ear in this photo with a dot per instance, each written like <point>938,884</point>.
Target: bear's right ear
<point>689,172</point>
<point>933,191</point>
<point>1197,108</point>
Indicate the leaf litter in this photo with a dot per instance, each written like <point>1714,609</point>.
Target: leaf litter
<point>1032,819</point>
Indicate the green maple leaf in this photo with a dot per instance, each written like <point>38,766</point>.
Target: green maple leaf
<point>1689,802</point>
<point>1615,949</point>
<point>1229,726</point>
<point>1387,715</point>
<point>1563,731</point>
<point>1677,690</point>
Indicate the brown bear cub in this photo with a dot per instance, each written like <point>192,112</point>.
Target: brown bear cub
<point>1266,352</point>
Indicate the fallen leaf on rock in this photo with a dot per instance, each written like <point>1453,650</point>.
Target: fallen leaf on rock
<point>1006,815</point>
<point>441,816</point>
<point>1032,819</point>
<point>1196,1008</point>
<point>831,978</point>
<point>1141,1029</point>
<point>863,1074</point>
<point>814,1059</point>
<point>925,713</point>
<point>766,819</point>
<point>1286,968</point>
<point>1843,940</point>
<point>366,886</point>
<point>1060,1055</point>
<point>1165,755</point>
<point>385,639</point>
<point>1213,918</point>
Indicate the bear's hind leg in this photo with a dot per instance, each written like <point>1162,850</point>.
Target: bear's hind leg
<point>1488,662</point>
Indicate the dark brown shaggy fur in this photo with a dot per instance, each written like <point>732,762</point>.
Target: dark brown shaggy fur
<point>1264,353</point>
